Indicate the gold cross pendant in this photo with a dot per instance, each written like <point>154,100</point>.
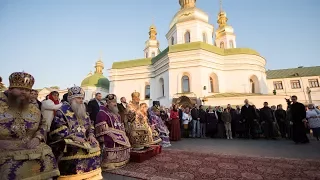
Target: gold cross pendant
<point>79,129</point>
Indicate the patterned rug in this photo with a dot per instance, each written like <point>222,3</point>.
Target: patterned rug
<point>175,165</point>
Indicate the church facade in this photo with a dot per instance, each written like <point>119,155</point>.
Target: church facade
<point>195,67</point>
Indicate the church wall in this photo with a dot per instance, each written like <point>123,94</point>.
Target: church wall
<point>124,88</point>
<point>157,92</point>
<point>196,29</point>
<point>230,73</point>
<point>90,92</point>
<point>301,93</point>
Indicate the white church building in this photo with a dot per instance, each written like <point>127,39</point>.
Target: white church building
<point>195,67</point>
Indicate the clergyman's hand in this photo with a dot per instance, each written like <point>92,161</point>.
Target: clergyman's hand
<point>33,143</point>
<point>93,140</point>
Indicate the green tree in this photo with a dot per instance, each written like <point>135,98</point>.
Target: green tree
<point>54,87</point>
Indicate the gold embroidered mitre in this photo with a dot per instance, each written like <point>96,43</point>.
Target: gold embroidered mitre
<point>135,94</point>
<point>21,80</point>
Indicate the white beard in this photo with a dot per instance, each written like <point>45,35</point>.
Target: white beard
<point>113,109</point>
<point>78,109</point>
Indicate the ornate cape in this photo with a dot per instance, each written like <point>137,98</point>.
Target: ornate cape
<point>16,130</point>
<point>75,159</point>
<point>111,133</point>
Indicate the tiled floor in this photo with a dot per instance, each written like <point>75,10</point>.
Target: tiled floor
<point>266,148</point>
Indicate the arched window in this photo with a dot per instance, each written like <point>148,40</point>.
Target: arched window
<point>211,85</point>
<point>252,86</point>
<point>172,40</point>
<point>185,84</point>
<point>161,82</point>
<point>153,54</point>
<point>231,43</point>
<point>204,37</point>
<point>146,54</point>
<point>187,37</point>
<point>222,44</point>
<point>147,92</point>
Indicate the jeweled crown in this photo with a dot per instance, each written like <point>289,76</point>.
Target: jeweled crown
<point>74,92</point>
<point>21,80</point>
<point>135,94</point>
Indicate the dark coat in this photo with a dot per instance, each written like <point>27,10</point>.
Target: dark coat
<point>266,115</point>
<point>248,113</point>
<point>202,115</point>
<point>93,109</point>
<point>195,114</point>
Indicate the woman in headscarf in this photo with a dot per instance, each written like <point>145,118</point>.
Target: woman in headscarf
<point>49,107</point>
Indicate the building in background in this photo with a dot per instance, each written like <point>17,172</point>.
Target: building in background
<point>195,67</point>
<point>302,82</point>
<point>96,82</point>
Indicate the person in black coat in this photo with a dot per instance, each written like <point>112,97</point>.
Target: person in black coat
<point>267,119</point>
<point>203,122</point>
<point>248,115</point>
<point>298,116</point>
<point>94,107</point>
<point>281,119</point>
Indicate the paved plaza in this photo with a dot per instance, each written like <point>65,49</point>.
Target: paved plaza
<point>241,147</point>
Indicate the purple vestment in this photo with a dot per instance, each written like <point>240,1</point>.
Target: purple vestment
<point>75,159</point>
<point>16,130</point>
<point>110,132</point>
<point>160,127</point>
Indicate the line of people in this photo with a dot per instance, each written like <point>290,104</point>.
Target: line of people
<point>245,122</point>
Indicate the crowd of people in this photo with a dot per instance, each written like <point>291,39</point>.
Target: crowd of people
<point>69,138</point>
<point>246,122</point>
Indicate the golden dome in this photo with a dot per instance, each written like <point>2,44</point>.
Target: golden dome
<point>188,14</point>
<point>187,3</point>
<point>153,32</point>
<point>99,66</point>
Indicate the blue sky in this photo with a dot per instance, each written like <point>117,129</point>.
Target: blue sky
<point>59,41</point>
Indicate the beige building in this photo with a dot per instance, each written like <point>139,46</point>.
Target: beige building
<point>302,82</point>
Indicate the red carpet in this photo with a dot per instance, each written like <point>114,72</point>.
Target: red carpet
<point>173,164</point>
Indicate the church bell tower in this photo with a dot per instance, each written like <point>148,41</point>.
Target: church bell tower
<point>152,44</point>
<point>225,37</point>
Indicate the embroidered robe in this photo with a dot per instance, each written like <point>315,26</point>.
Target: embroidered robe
<point>16,130</point>
<point>138,130</point>
<point>75,159</point>
<point>160,127</point>
<point>110,132</point>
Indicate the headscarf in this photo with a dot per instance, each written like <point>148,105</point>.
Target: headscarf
<point>52,99</point>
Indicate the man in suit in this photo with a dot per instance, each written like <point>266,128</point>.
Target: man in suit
<point>122,106</point>
<point>94,106</point>
<point>248,114</point>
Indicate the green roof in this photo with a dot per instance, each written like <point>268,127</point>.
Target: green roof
<point>182,48</point>
<point>293,72</point>
<point>96,80</point>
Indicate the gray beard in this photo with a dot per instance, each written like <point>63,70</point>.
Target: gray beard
<point>78,109</point>
<point>113,109</point>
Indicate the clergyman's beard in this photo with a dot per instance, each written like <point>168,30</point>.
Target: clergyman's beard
<point>16,102</point>
<point>113,109</point>
<point>78,109</point>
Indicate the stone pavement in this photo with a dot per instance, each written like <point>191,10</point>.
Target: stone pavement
<point>264,148</point>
